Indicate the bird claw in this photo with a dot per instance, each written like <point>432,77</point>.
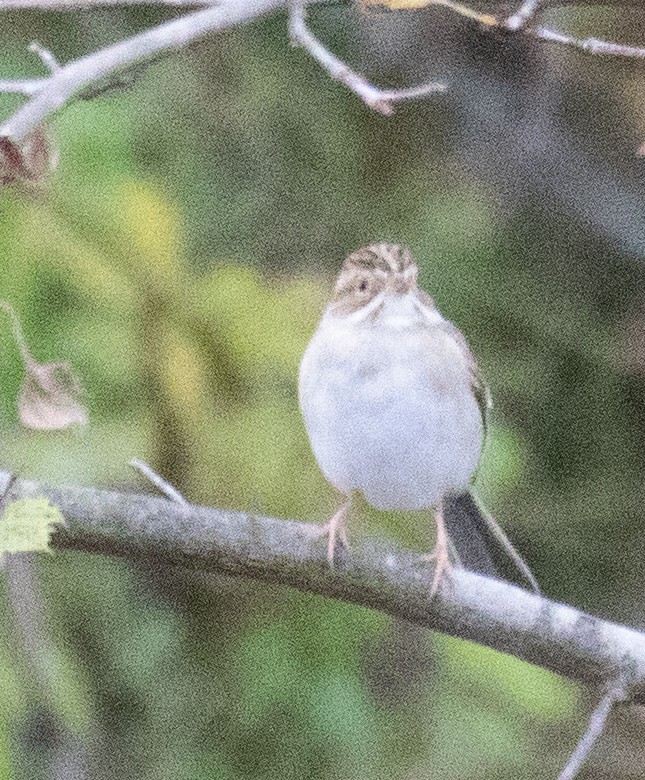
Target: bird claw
<point>335,529</point>
<point>440,556</point>
<point>443,567</point>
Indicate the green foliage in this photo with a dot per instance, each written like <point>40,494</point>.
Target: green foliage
<point>27,524</point>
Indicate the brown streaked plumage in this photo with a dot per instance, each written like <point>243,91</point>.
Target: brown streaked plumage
<point>368,272</point>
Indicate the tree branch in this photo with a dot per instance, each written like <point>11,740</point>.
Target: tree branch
<point>68,5</point>
<point>380,100</point>
<point>48,94</point>
<point>591,45</point>
<point>377,575</point>
<point>63,83</point>
<point>64,5</point>
<point>597,722</point>
<point>22,86</point>
<point>543,5</point>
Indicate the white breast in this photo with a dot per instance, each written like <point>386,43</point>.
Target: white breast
<point>389,407</point>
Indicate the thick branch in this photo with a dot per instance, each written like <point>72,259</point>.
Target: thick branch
<point>493,613</point>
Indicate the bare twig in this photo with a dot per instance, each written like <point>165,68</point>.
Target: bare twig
<point>64,5</point>
<point>162,485</point>
<point>591,45</point>
<point>519,21</point>
<point>378,99</point>
<point>536,6</point>
<point>16,329</point>
<point>597,721</point>
<point>48,94</point>
<point>22,86</point>
<point>378,575</point>
<point>522,15</point>
<point>70,78</point>
<point>47,58</point>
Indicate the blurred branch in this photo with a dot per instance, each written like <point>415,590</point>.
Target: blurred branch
<point>490,612</point>
<point>68,754</point>
<point>597,722</point>
<point>378,99</point>
<point>591,45</point>
<point>22,86</point>
<point>523,14</point>
<point>48,94</point>
<point>65,5</point>
<point>67,80</point>
<point>46,57</point>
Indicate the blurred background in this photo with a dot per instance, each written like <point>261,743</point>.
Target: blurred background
<point>181,257</point>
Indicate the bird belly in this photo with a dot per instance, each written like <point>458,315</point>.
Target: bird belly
<point>392,415</point>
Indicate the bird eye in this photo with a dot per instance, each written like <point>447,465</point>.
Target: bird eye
<point>362,285</point>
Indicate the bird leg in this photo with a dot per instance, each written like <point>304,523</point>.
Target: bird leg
<point>441,553</point>
<point>336,527</point>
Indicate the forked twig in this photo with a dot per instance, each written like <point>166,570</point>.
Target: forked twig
<point>380,100</point>
<point>49,94</point>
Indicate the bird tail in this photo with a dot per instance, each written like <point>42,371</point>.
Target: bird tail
<point>480,543</point>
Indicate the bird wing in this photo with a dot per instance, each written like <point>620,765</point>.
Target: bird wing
<point>480,542</point>
<point>477,383</point>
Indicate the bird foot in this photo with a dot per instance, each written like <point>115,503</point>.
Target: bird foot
<point>440,556</point>
<point>443,566</point>
<point>335,528</point>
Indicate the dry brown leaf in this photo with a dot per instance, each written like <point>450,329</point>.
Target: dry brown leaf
<point>49,397</point>
<point>28,161</point>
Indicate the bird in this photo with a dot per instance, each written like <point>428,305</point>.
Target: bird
<point>396,409</point>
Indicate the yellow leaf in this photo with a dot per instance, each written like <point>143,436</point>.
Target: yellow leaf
<point>462,10</point>
<point>181,374</point>
<point>26,525</point>
<point>153,224</point>
<point>395,5</point>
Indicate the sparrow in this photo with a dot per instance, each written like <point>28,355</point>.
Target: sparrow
<point>396,409</point>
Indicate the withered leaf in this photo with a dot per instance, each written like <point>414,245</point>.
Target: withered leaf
<point>49,397</point>
<point>29,160</point>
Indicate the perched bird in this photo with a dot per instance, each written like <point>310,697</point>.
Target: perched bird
<point>395,408</point>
